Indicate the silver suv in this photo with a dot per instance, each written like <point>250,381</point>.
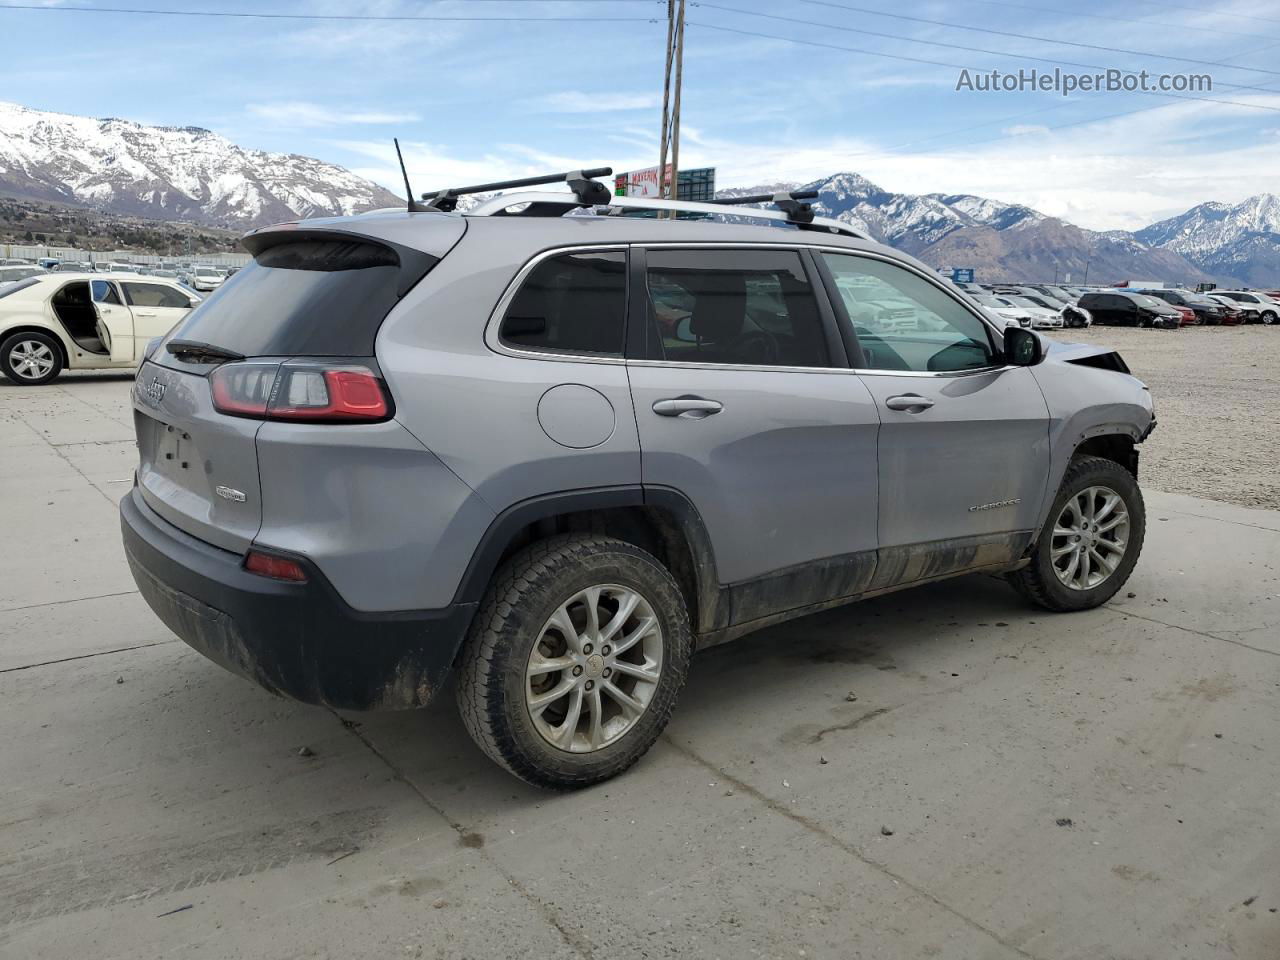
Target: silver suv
<point>553,455</point>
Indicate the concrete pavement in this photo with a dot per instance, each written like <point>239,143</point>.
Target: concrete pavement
<point>1004,783</point>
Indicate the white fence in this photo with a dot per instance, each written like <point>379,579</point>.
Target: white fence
<point>34,252</point>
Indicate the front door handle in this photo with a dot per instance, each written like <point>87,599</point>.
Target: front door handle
<point>690,408</point>
<point>912,403</point>
<point>144,313</point>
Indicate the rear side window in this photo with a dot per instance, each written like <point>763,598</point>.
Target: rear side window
<point>306,297</point>
<point>752,307</point>
<point>572,303</point>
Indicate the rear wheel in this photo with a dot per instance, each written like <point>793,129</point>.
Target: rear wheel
<point>30,359</point>
<point>1269,317</point>
<point>574,660</point>
<point>1091,541</point>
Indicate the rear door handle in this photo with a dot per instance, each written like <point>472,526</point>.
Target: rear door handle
<point>910,402</point>
<point>143,313</point>
<point>690,408</point>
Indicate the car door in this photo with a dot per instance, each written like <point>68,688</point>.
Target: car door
<point>115,320</point>
<point>963,452</point>
<point>745,405</point>
<point>156,308</point>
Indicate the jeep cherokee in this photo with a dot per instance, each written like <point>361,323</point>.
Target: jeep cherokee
<point>553,455</point>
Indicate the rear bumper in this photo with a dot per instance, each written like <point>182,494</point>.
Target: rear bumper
<point>300,640</point>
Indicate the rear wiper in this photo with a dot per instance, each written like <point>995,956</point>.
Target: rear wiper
<point>193,351</point>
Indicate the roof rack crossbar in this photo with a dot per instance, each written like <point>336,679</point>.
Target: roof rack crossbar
<point>587,189</point>
<point>788,201</point>
<point>768,197</point>
<point>556,204</point>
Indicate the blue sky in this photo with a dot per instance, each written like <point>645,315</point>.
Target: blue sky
<point>476,101</point>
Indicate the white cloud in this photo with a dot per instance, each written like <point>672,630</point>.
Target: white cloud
<point>300,113</point>
<point>1113,174</point>
<point>576,101</point>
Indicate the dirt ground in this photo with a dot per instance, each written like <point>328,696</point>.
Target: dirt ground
<point>1217,395</point>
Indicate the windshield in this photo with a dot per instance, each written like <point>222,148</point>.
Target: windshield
<point>207,272</point>
<point>1151,302</point>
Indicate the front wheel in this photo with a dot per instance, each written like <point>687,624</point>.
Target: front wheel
<point>574,661</point>
<point>1091,541</point>
<point>1270,317</point>
<point>30,359</point>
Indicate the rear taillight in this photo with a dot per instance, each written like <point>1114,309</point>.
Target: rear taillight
<point>277,568</point>
<point>312,392</point>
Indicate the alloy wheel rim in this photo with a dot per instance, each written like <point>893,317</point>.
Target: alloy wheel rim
<point>31,359</point>
<point>1090,538</point>
<point>594,669</point>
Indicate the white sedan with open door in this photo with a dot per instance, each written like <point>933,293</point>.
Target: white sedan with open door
<point>84,321</point>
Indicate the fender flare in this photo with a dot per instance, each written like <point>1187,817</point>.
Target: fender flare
<point>710,611</point>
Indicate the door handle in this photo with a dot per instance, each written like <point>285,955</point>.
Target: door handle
<point>910,402</point>
<point>690,408</point>
<point>142,313</point>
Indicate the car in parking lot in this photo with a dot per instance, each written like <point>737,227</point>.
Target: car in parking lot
<point>204,279</point>
<point>1124,309</point>
<point>11,274</point>
<point>58,321</point>
<point>1236,312</point>
<point>1004,309</point>
<point>397,446</point>
<point>1268,307</point>
<point>1206,310</point>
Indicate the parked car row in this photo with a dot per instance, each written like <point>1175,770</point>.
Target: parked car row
<point>1052,306</point>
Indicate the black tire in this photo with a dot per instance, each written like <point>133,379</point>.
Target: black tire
<point>525,592</point>
<point>1269,317</point>
<point>1039,582</point>
<point>7,359</point>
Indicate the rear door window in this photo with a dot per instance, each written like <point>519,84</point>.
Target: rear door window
<point>307,297</point>
<point>571,303</point>
<point>105,292</point>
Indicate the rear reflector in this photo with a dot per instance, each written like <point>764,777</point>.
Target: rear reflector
<point>277,568</point>
<point>314,392</point>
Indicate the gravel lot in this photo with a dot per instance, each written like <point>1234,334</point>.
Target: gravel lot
<point>1217,393</point>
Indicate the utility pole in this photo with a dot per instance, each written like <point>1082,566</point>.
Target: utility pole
<point>671,101</point>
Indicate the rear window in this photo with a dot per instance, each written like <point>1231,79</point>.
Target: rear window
<point>305,298</point>
<point>20,285</point>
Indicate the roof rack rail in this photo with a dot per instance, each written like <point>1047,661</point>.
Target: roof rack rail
<point>587,190</point>
<point>557,204</point>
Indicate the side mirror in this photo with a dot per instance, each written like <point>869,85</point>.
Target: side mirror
<point>1022,348</point>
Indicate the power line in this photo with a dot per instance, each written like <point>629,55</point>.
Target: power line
<point>954,66</point>
<point>1025,36</point>
<point>346,17</point>
<point>951,46</point>
<point>1112,18</point>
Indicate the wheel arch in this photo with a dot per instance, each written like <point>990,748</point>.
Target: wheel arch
<point>1115,443</point>
<point>660,520</point>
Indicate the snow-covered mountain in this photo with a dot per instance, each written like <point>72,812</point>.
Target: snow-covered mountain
<point>169,173</point>
<point>1241,240</point>
<point>1002,241</point>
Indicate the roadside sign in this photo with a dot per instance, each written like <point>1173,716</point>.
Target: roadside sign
<point>962,274</point>
<point>695,184</point>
